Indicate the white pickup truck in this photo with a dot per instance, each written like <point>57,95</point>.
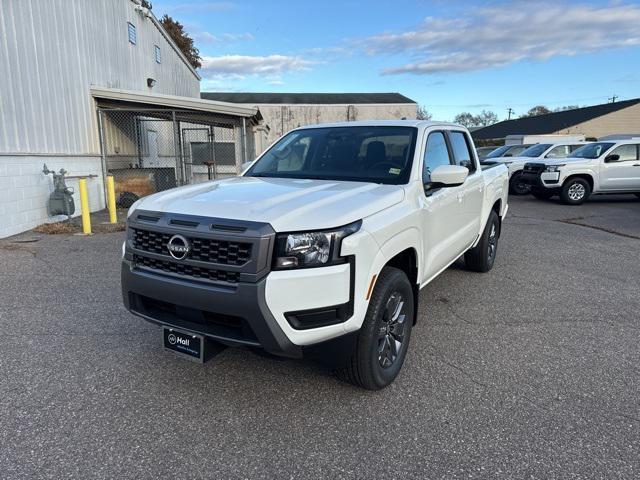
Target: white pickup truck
<point>601,167</point>
<point>541,151</point>
<point>320,247</point>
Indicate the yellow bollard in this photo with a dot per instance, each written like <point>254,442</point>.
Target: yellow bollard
<point>111,200</point>
<point>84,205</point>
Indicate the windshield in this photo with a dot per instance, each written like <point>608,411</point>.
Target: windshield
<point>535,150</point>
<point>362,154</point>
<point>516,150</point>
<point>593,150</point>
<point>498,151</point>
<point>507,151</point>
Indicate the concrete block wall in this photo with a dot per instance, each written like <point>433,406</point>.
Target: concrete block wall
<point>24,189</point>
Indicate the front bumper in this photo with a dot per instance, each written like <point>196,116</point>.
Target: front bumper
<point>235,316</point>
<point>546,180</point>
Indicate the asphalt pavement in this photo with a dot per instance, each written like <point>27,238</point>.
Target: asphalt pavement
<point>529,371</point>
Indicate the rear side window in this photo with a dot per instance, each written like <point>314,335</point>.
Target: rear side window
<point>626,152</point>
<point>436,154</point>
<point>461,151</point>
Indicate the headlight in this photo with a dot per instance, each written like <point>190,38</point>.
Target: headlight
<point>311,249</point>
<point>553,168</point>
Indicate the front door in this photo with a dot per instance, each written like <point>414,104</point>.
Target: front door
<point>443,220</point>
<point>473,187</point>
<point>623,174</point>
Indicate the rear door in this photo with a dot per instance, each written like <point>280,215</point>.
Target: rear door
<point>443,221</point>
<point>623,174</point>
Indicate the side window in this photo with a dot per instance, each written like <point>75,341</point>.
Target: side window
<point>575,147</point>
<point>626,152</point>
<point>462,151</point>
<point>560,151</point>
<point>435,154</point>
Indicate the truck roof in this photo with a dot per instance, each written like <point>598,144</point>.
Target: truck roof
<point>383,123</point>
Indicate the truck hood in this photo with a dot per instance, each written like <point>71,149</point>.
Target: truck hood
<point>513,159</point>
<point>287,204</point>
<point>564,161</point>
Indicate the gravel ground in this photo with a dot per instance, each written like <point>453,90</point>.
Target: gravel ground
<point>530,371</point>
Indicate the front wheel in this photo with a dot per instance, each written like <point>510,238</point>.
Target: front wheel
<point>517,186</point>
<point>575,191</point>
<point>481,257</point>
<point>383,339</point>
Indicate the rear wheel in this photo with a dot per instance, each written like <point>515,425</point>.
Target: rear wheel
<point>575,191</point>
<point>481,257</point>
<point>517,186</point>
<point>383,339</point>
<point>541,194</point>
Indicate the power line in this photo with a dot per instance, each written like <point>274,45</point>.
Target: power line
<point>613,98</point>
<point>487,105</point>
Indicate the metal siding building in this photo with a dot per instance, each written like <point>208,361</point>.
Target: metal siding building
<point>51,54</point>
<point>285,111</point>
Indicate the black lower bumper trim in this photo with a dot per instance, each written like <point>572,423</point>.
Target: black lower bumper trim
<point>532,179</point>
<point>236,316</point>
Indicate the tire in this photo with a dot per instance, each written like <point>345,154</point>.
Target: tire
<point>541,194</point>
<point>483,255</point>
<point>575,191</point>
<point>377,358</point>
<point>516,187</point>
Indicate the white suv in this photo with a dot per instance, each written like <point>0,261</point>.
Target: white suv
<point>540,151</point>
<point>596,168</point>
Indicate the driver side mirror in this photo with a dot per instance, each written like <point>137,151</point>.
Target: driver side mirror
<point>614,157</point>
<point>447,176</point>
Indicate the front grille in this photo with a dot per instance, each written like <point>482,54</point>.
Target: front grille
<point>534,167</point>
<point>186,270</point>
<point>202,249</point>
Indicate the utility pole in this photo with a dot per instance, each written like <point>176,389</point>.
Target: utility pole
<point>613,98</point>
<point>509,112</point>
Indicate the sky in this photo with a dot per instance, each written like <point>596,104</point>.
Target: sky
<point>450,56</point>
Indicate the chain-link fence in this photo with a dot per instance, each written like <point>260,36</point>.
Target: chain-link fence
<point>148,151</point>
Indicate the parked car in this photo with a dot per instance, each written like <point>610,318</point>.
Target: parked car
<point>484,151</point>
<point>507,151</point>
<point>320,247</point>
<point>541,151</point>
<point>601,167</point>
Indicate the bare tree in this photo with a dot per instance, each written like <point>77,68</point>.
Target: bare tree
<point>465,119</point>
<point>535,111</point>
<point>423,113</point>
<point>485,118</point>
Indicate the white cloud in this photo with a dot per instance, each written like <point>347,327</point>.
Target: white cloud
<point>267,66</point>
<point>499,35</point>
<point>194,7</point>
<point>207,37</point>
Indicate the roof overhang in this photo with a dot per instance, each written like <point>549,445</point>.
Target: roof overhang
<point>174,102</point>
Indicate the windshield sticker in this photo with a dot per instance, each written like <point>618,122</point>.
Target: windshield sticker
<point>395,171</point>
